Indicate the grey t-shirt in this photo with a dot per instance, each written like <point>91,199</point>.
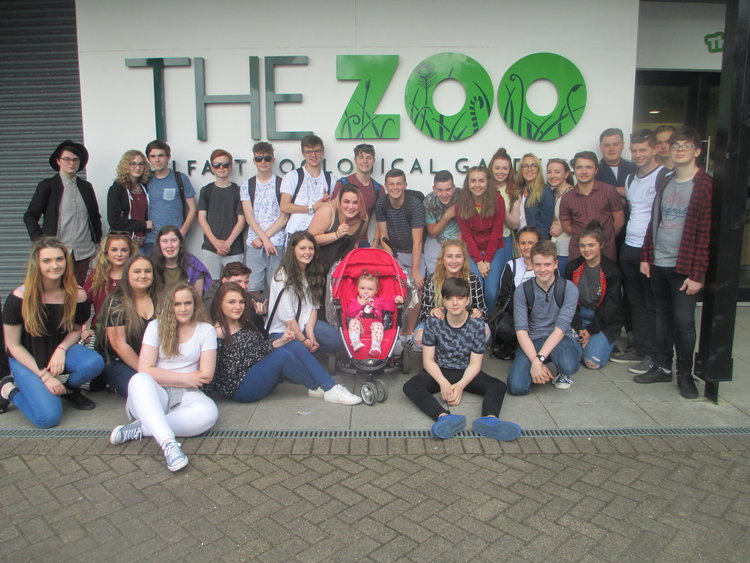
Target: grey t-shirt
<point>545,315</point>
<point>399,230</point>
<point>674,206</point>
<point>589,287</point>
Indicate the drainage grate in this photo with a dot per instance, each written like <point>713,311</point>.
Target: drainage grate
<point>348,434</point>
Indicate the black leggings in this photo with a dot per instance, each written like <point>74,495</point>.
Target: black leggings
<point>421,388</point>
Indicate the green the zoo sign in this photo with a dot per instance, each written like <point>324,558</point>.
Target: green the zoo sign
<point>374,73</point>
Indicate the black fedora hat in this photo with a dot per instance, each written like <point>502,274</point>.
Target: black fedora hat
<point>76,148</point>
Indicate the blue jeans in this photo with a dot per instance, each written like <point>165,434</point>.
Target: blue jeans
<point>292,361</point>
<point>566,356</point>
<point>491,284</point>
<point>562,262</point>
<point>117,374</point>
<point>33,398</point>
<point>327,336</point>
<point>597,351</point>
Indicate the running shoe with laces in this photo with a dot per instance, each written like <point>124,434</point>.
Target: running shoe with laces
<point>562,381</point>
<point>316,393</point>
<point>176,458</point>
<point>341,395</point>
<point>644,366</point>
<point>126,433</point>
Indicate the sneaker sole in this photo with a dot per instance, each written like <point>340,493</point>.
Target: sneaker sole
<point>504,431</point>
<point>638,371</point>
<point>179,466</point>
<point>562,386</point>
<point>621,361</point>
<point>348,402</point>
<point>315,393</point>
<point>449,429</point>
<point>644,382</point>
<point>113,434</point>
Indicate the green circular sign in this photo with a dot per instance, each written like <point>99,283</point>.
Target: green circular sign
<point>571,96</point>
<point>420,88</point>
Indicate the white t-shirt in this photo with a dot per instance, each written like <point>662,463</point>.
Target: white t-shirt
<point>522,274</point>
<point>311,190</point>
<point>265,208</point>
<point>287,308</point>
<point>203,338</point>
<point>641,192</point>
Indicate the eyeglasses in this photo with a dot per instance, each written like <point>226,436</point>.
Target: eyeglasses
<point>221,164</point>
<point>312,151</point>
<point>529,167</point>
<point>68,160</point>
<point>682,148</point>
<point>266,158</point>
<point>137,164</point>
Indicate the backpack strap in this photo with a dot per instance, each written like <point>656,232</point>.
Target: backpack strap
<point>300,179</point>
<point>251,183</point>
<point>276,306</point>
<point>558,290</point>
<point>528,291</point>
<point>181,188</point>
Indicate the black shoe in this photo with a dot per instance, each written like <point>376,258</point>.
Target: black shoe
<point>654,375</point>
<point>687,387</point>
<point>5,403</point>
<point>78,400</point>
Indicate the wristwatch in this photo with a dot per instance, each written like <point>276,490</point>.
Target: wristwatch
<point>541,357</point>
<point>310,210</point>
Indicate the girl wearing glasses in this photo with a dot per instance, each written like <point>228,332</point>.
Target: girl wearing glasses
<point>536,202</point>
<point>127,199</point>
<point>174,263</point>
<point>220,216</point>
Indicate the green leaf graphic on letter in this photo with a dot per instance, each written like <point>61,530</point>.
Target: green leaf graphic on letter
<point>359,120</point>
<point>571,96</point>
<point>421,86</point>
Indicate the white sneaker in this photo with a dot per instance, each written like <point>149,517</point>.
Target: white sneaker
<point>562,381</point>
<point>357,345</point>
<point>317,393</point>
<point>341,395</point>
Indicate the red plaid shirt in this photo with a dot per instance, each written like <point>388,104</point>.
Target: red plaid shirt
<point>692,258</point>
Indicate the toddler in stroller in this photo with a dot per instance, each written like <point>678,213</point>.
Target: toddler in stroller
<point>365,313</point>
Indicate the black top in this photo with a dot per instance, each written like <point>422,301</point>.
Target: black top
<point>42,347</point>
<point>331,253</point>
<point>237,353</point>
<point>118,319</point>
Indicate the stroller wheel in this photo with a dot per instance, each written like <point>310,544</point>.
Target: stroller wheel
<point>405,361</point>
<point>368,393</point>
<point>381,391</point>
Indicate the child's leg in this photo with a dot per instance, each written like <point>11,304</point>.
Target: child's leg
<point>355,330</point>
<point>376,331</point>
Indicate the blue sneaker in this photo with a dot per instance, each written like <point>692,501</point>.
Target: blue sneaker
<point>176,458</point>
<point>448,426</point>
<point>496,429</point>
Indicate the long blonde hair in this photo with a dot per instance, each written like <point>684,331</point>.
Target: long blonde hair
<point>536,189</point>
<point>441,274</point>
<point>168,338</point>
<point>103,266</point>
<point>32,308</point>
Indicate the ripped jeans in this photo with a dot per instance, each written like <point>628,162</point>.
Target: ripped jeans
<point>598,350</point>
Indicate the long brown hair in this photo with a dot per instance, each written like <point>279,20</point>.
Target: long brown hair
<point>441,274</point>
<point>466,206</point>
<point>218,317</point>
<point>168,338</point>
<point>103,266</point>
<point>32,308</point>
<point>120,304</point>
<point>510,181</point>
<point>160,262</point>
<point>314,274</point>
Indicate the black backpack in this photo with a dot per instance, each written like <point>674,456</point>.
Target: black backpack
<point>251,183</point>
<point>408,194</point>
<point>558,289</point>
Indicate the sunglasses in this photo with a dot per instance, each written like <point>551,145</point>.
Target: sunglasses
<point>221,164</point>
<point>265,158</point>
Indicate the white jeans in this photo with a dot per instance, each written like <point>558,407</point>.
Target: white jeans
<point>149,402</point>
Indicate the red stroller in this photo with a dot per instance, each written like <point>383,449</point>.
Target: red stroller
<point>392,282</point>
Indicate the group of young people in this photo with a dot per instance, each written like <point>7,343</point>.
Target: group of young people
<point>539,257</point>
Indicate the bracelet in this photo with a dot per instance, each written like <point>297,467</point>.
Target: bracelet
<point>336,232</point>
<point>61,348</point>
